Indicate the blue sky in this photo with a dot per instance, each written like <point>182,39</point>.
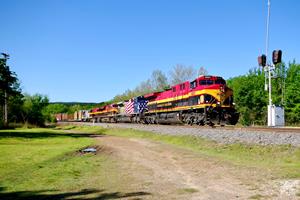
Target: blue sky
<point>76,50</point>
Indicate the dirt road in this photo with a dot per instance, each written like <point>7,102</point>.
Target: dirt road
<point>169,172</point>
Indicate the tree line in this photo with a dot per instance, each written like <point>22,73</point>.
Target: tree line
<point>249,95</point>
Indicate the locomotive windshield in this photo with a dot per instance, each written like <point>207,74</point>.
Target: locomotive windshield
<point>206,82</point>
<point>220,81</point>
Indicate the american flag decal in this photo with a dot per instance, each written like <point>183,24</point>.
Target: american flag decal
<point>142,106</point>
<point>129,107</point>
<point>136,105</point>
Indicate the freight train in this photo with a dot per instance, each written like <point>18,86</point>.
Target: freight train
<point>78,116</point>
<point>204,101</point>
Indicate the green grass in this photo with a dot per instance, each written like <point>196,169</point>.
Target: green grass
<point>283,160</point>
<point>44,163</point>
<point>257,197</point>
<point>187,190</point>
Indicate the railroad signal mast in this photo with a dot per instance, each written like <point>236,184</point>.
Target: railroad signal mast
<point>275,113</point>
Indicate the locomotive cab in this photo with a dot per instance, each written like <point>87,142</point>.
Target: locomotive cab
<point>215,87</point>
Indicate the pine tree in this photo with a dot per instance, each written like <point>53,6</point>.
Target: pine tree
<point>9,85</point>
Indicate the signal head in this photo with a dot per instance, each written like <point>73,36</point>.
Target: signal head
<point>276,57</point>
<point>262,60</point>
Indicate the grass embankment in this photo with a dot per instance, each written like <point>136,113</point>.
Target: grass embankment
<point>282,160</point>
<point>46,164</point>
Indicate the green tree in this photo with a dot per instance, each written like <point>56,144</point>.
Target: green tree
<point>74,108</point>
<point>9,86</point>
<point>32,110</point>
<point>292,94</point>
<point>250,97</point>
<point>15,104</point>
<point>278,84</point>
<point>51,109</point>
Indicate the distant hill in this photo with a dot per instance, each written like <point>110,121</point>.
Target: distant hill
<point>76,103</point>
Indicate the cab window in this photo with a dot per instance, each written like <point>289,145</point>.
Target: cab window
<point>209,82</point>
<point>193,84</point>
<point>220,81</point>
<point>206,82</point>
<point>202,82</point>
<point>182,86</point>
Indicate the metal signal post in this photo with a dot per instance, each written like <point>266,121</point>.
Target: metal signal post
<point>275,113</point>
<point>267,47</point>
<point>269,69</point>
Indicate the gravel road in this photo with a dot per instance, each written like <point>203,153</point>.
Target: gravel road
<point>221,135</point>
<point>166,172</point>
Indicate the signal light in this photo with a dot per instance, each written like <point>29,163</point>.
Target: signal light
<point>276,56</point>
<point>262,60</point>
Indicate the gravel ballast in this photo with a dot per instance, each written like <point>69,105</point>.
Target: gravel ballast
<point>220,135</point>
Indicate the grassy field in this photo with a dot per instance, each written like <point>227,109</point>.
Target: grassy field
<point>47,164</point>
<point>283,161</point>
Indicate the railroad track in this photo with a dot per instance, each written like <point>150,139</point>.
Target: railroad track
<point>226,135</point>
<point>259,128</point>
<point>227,127</point>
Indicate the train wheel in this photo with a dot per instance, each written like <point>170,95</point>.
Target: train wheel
<point>211,124</point>
<point>201,123</point>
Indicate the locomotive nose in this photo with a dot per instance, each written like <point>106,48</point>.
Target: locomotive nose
<point>222,94</point>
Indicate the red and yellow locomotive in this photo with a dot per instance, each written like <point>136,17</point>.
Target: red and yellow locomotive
<point>205,100</point>
<point>104,114</point>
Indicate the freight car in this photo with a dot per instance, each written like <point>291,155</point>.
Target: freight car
<point>205,100</point>
<point>81,115</point>
<point>64,117</point>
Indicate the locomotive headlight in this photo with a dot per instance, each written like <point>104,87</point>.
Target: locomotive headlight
<point>222,89</point>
